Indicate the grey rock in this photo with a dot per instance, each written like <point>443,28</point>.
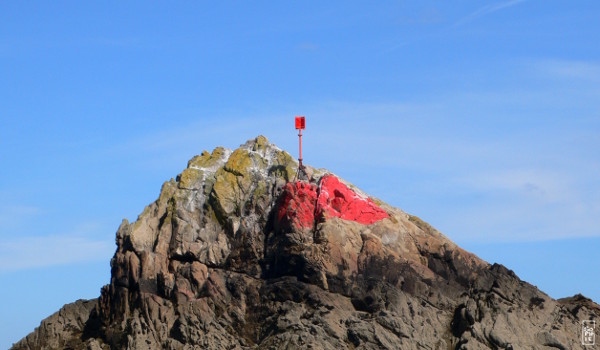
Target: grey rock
<point>211,265</point>
<point>64,329</point>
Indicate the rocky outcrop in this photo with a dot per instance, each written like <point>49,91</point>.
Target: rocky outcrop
<point>237,254</point>
<point>62,330</point>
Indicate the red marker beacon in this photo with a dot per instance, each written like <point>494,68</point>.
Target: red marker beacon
<point>300,123</point>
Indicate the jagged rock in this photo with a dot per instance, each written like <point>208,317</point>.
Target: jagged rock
<point>66,328</point>
<point>236,253</point>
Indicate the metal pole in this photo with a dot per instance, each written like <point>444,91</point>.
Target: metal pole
<point>300,136</point>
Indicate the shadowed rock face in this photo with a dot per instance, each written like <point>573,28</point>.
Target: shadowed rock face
<point>234,254</point>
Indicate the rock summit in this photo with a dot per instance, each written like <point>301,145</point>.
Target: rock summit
<point>237,254</point>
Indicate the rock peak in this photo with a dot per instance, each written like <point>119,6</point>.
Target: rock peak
<point>237,254</point>
<point>258,143</point>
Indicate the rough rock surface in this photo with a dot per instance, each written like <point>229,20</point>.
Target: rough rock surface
<point>234,254</point>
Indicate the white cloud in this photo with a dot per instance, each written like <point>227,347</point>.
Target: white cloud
<point>526,163</point>
<point>20,253</point>
<point>545,185</point>
<point>525,204</point>
<point>11,215</point>
<point>565,69</point>
<point>487,10</point>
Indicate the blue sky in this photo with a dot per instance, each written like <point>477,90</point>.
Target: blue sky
<point>481,117</point>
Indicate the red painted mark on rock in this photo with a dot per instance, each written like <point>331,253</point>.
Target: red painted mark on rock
<point>298,206</point>
<point>303,203</point>
<point>337,200</point>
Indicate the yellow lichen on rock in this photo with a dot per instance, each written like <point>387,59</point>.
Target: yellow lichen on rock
<point>283,166</point>
<point>260,143</point>
<point>232,182</point>
<point>189,178</point>
<point>239,162</point>
<point>206,160</point>
<point>226,193</point>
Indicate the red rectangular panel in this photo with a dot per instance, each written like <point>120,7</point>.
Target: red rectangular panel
<point>300,123</point>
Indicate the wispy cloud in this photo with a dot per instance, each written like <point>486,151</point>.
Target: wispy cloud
<point>544,185</point>
<point>487,10</point>
<point>435,17</point>
<point>566,69</point>
<point>489,164</point>
<point>526,204</point>
<point>12,214</point>
<point>42,251</point>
